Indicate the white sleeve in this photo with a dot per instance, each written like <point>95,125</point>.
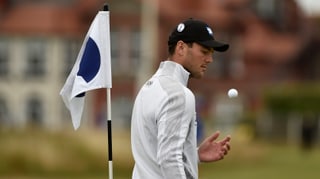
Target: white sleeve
<point>173,125</point>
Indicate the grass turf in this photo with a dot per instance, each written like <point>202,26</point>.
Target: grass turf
<point>37,153</point>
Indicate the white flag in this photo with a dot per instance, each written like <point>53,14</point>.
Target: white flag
<point>92,69</point>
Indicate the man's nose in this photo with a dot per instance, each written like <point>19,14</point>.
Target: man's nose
<point>209,58</point>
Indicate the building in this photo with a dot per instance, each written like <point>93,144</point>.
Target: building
<point>39,43</point>
<point>272,43</point>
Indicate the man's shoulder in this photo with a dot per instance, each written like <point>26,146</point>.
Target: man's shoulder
<point>172,86</point>
<point>169,82</point>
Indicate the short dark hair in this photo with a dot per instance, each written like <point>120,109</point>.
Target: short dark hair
<point>171,48</point>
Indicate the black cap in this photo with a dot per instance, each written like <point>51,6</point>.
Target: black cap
<point>196,31</point>
<point>105,7</point>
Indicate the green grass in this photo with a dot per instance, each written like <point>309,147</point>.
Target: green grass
<point>83,154</point>
<point>273,161</point>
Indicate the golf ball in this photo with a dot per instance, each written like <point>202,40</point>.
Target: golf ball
<point>232,93</point>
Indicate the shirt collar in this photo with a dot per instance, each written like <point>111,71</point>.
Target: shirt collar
<point>175,70</point>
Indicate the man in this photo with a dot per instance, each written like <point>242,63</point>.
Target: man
<point>163,131</point>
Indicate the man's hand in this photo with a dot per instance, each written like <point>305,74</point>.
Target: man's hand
<point>211,150</point>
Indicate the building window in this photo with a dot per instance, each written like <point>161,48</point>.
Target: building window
<point>114,36</point>
<point>125,52</point>
<point>271,11</point>
<point>72,49</point>
<point>135,49</point>
<point>34,111</point>
<point>4,58</point>
<point>218,69</point>
<point>35,65</point>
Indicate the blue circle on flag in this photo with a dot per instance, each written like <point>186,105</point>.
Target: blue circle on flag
<point>90,61</point>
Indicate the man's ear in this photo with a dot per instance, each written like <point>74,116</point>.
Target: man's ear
<point>180,48</point>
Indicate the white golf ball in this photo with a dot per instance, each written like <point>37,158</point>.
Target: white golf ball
<point>232,93</point>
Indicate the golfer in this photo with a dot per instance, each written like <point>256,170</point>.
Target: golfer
<point>163,126</point>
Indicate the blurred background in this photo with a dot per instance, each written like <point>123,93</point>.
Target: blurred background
<point>273,61</point>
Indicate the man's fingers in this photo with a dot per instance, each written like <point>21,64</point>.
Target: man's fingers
<point>228,145</point>
<point>225,152</point>
<point>214,136</point>
<point>226,148</point>
<point>225,140</point>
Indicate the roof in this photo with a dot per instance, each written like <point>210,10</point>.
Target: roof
<point>42,19</point>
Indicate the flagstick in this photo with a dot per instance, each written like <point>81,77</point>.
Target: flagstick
<point>109,133</point>
<point>106,8</point>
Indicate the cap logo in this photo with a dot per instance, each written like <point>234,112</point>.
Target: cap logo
<point>180,27</point>
<point>209,31</point>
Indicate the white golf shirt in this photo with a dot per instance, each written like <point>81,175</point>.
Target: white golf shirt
<point>163,126</point>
